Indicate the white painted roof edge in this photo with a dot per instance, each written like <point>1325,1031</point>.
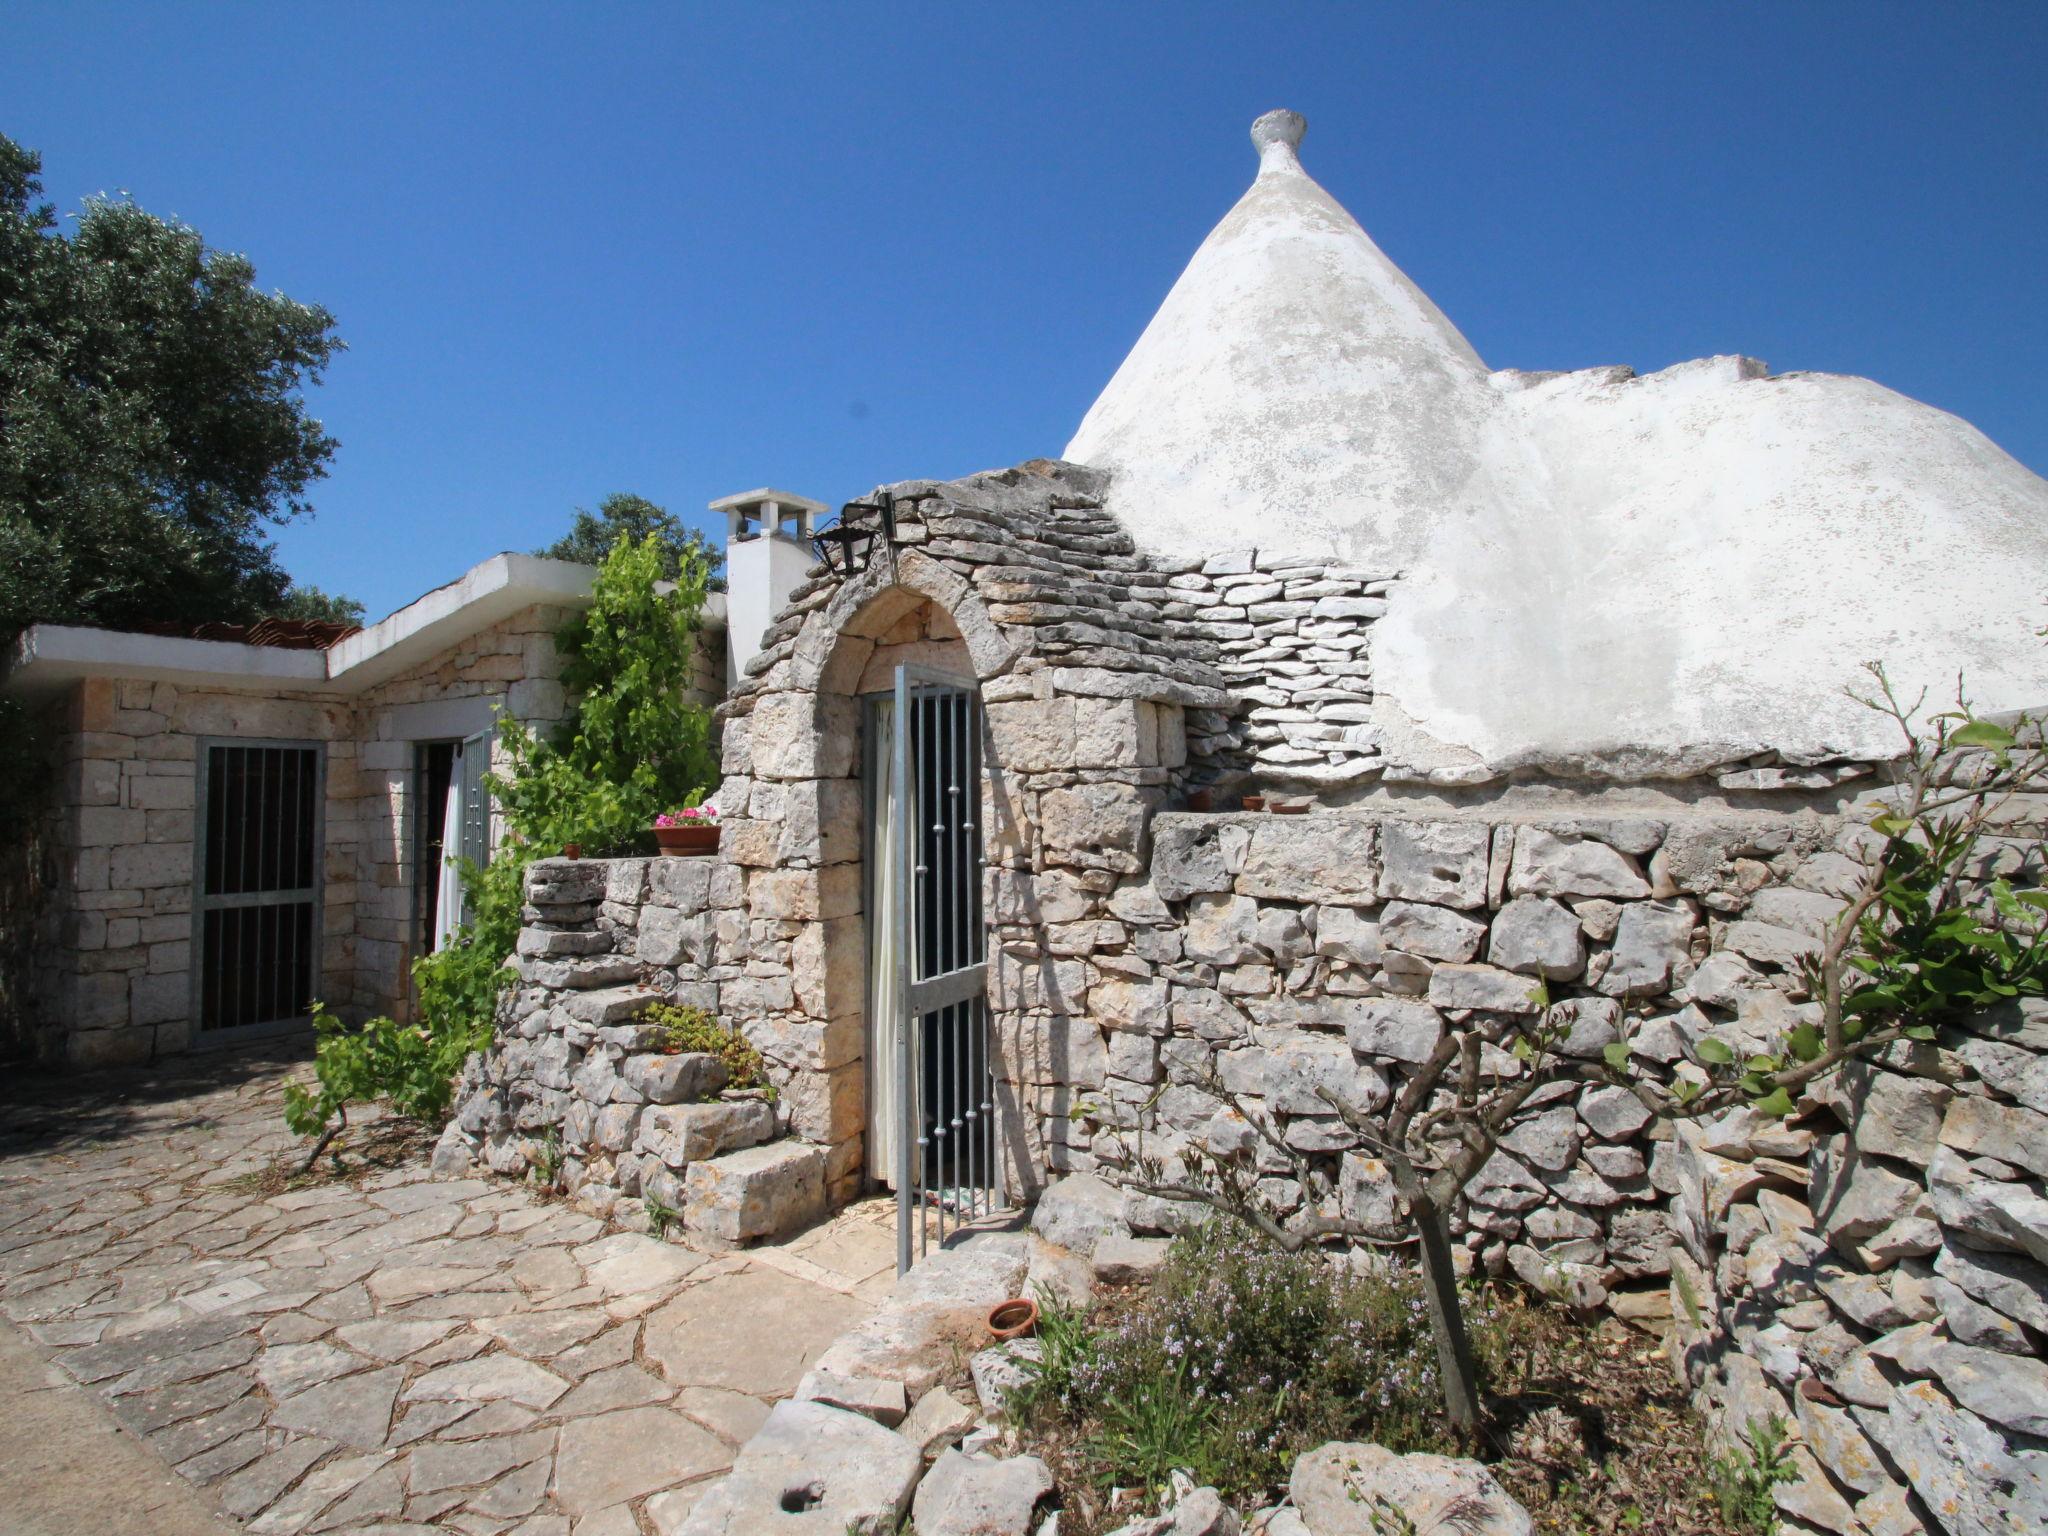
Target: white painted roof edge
<point>50,655</point>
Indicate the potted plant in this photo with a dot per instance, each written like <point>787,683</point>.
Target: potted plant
<point>691,829</point>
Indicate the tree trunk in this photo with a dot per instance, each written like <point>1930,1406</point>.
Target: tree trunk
<point>1447,1318</point>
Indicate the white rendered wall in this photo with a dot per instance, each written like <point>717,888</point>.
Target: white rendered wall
<point>760,573</point>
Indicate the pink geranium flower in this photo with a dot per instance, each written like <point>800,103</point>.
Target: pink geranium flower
<point>688,815</point>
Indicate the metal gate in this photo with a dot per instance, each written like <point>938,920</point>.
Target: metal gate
<point>256,887</point>
<point>948,1169</point>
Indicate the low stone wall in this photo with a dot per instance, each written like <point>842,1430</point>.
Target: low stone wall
<point>1877,1277</point>
<point>577,1079</point>
<point>1873,1275</point>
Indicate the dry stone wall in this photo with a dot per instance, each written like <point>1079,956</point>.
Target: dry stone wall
<point>580,1088</point>
<point>1872,1270</point>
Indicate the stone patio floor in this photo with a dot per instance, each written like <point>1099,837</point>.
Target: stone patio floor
<point>391,1353</point>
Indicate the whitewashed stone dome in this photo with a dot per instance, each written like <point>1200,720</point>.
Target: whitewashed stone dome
<point>1601,574</point>
<point>1295,390</point>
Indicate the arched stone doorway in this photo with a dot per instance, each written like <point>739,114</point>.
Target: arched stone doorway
<point>807,845</point>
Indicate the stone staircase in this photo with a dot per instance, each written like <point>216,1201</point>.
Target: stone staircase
<point>636,1131</point>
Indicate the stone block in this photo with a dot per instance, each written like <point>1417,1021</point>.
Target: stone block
<point>1437,933</point>
<point>671,937</point>
<point>1117,1003</point>
<point>980,1496</point>
<point>685,1077</point>
<point>102,826</point>
<point>1192,855</point>
<point>1344,933</point>
<point>872,1397</point>
<point>828,967</point>
<point>1547,864</point>
<point>1340,1488</point>
<point>150,865</point>
<point>1443,862</point>
<point>1853,1196</point>
<point>1055,1049</point>
<point>1222,930</point>
<point>821,822</point>
<point>1078,1212</point>
<point>1483,987</point>
<point>158,999</point>
<point>1985,1128</point>
<point>804,735</point>
<point>1032,735</point>
<point>1329,858</point>
<point>1094,817</point>
<point>1652,949</point>
<point>805,895</point>
<point>1114,733</point>
<point>684,884</point>
<point>1537,936</point>
<point>763,1191</point>
<point>848,1474</point>
<point>682,1134</point>
<point>1302,1068</point>
<point>828,1107</point>
<point>160,792</point>
<point>1394,1028</point>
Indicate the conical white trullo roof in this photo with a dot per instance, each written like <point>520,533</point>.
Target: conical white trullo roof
<point>1295,389</point>
<point>1600,574</point>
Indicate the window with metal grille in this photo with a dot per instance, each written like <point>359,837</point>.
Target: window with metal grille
<point>256,899</point>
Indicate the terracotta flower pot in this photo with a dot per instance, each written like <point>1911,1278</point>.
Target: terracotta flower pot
<point>688,839</point>
<point>572,850</point>
<point>1201,800</point>
<point>1295,808</point>
<point>1013,1319</point>
<point>1255,802</point>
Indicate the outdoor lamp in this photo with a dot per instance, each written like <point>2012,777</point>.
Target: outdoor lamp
<point>845,543</point>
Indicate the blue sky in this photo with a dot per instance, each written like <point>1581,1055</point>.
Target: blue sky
<point>684,251</point>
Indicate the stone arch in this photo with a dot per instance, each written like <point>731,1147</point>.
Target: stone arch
<point>803,842</point>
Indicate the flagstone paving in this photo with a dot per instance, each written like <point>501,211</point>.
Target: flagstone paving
<point>395,1353</point>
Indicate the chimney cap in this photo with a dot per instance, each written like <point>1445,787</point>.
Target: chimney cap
<point>755,498</point>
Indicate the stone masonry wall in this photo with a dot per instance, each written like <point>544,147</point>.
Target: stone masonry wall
<point>1875,1277</point>
<point>110,977</point>
<point>575,1076</point>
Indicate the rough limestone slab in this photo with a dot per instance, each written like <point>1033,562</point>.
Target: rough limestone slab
<point>1338,1489</point>
<point>755,1193</point>
<point>683,1134</point>
<point>979,1496</point>
<point>874,1397</point>
<point>845,1473</point>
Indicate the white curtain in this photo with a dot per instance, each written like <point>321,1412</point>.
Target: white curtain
<point>886,854</point>
<point>448,889</point>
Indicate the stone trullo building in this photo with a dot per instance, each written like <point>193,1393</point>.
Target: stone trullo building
<point>1555,665</point>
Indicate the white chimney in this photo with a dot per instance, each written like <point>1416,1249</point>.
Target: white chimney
<point>767,553</point>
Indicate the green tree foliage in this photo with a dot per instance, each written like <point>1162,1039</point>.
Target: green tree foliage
<point>633,747</point>
<point>303,602</point>
<point>622,516</point>
<point>151,421</point>
<point>637,746</point>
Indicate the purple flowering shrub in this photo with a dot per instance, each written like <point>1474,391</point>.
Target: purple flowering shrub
<point>1240,1357</point>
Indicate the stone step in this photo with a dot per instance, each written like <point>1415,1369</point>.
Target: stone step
<point>609,1005</point>
<point>576,975</point>
<point>763,1191</point>
<point>682,1134</point>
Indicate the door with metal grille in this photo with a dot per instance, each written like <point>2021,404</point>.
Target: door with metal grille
<point>256,887</point>
<point>947,1164</point>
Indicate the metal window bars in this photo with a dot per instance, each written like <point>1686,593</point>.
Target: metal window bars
<point>256,929</point>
